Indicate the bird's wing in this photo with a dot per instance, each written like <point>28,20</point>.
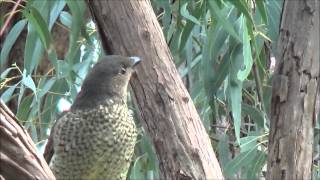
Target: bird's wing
<point>49,151</point>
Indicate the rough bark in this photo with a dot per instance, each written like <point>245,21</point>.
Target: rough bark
<point>18,156</point>
<point>182,145</point>
<point>294,92</point>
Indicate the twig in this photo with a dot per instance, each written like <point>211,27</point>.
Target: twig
<point>9,18</point>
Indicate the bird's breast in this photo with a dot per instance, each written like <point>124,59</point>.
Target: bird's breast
<point>95,143</point>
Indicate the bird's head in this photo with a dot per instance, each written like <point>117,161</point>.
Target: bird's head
<point>109,78</point>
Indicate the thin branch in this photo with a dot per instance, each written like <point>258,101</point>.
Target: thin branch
<point>9,18</point>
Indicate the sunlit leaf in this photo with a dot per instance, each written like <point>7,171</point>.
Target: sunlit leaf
<point>55,11</point>
<point>66,19</point>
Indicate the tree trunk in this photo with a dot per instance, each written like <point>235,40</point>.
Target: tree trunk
<point>182,145</point>
<point>18,155</point>
<point>294,92</point>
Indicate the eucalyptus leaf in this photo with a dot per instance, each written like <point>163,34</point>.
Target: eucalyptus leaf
<point>185,13</point>
<point>55,11</point>
<point>215,10</point>
<point>7,94</point>
<point>248,143</point>
<point>256,115</point>
<point>46,87</point>
<point>33,50</point>
<point>35,18</point>
<point>262,10</point>
<point>247,54</point>
<point>66,19</point>
<point>10,40</point>
<point>234,89</point>
<point>5,73</point>
<point>258,163</point>
<point>28,82</point>
<point>241,160</point>
<point>24,108</point>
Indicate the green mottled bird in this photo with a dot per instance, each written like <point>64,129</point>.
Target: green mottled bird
<point>95,139</point>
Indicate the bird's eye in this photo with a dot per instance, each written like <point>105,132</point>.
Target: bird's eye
<point>122,70</point>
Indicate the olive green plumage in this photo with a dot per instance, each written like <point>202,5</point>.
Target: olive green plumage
<point>96,138</point>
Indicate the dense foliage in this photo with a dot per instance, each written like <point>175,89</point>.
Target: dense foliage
<point>224,51</point>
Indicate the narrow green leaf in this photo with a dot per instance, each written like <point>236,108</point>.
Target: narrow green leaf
<point>214,9</point>
<point>39,23</point>
<point>186,31</point>
<point>262,10</point>
<point>49,109</point>
<point>52,56</point>
<point>185,13</point>
<point>235,95</point>
<point>24,108</point>
<point>234,89</point>
<point>34,44</point>
<point>258,163</point>
<point>46,87</point>
<point>28,82</point>
<point>55,11</point>
<point>136,168</point>
<point>22,89</point>
<point>248,143</point>
<point>255,114</point>
<point>34,132</point>
<point>7,94</point>
<point>274,13</point>
<point>63,69</point>
<point>33,50</point>
<point>194,62</point>
<point>77,23</point>
<point>10,40</point>
<point>221,73</point>
<point>66,19</point>
<point>247,58</point>
<point>5,73</point>
<point>35,18</point>
<point>241,160</point>
<point>242,7</point>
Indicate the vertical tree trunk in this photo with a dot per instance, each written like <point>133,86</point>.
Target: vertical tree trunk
<point>170,118</point>
<point>294,92</point>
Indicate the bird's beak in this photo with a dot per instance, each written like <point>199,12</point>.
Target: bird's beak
<point>135,60</point>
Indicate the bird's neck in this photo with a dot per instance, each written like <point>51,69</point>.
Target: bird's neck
<point>86,100</point>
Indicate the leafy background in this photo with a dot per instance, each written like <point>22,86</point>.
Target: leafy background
<point>224,50</point>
